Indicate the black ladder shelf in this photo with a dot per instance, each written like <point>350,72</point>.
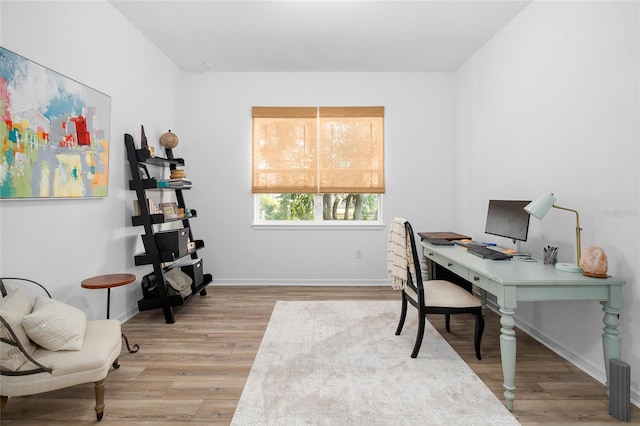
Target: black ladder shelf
<point>139,159</point>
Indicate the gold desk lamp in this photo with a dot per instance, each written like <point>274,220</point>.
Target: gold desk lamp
<point>538,208</point>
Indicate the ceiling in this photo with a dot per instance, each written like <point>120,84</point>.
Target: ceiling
<point>311,35</point>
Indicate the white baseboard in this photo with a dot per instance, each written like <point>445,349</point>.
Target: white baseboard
<point>303,282</point>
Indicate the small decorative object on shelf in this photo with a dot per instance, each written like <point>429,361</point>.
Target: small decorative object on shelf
<point>169,140</point>
<point>163,248</point>
<point>178,174</point>
<point>144,144</point>
<point>169,210</point>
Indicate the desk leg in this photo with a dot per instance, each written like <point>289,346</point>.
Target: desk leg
<point>508,354</point>
<point>483,301</point>
<point>611,342</point>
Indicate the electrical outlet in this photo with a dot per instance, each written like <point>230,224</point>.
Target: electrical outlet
<point>359,254</point>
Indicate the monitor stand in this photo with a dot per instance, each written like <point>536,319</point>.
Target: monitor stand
<point>517,243</point>
<point>517,249</point>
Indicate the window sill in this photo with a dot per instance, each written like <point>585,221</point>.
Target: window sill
<point>318,226</point>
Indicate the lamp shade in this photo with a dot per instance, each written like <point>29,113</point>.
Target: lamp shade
<point>540,206</point>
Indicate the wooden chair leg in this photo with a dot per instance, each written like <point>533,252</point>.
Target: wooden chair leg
<point>416,347</point>
<point>447,322</point>
<point>478,333</point>
<point>99,399</point>
<point>3,403</point>
<point>403,314</point>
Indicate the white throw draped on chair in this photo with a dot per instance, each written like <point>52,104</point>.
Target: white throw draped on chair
<point>398,254</point>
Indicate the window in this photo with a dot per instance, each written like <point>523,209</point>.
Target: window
<point>318,164</point>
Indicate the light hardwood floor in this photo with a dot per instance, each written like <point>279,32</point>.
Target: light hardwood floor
<point>192,372</point>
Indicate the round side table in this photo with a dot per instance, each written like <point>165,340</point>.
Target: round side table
<point>109,281</point>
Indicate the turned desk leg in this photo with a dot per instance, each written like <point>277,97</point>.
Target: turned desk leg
<point>508,354</point>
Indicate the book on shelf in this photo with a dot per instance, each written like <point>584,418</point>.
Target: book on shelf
<point>175,183</point>
<point>151,206</point>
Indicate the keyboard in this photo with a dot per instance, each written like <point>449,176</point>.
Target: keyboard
<point>487,253</point>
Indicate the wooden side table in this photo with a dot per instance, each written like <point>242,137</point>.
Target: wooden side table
<point>109,281</point>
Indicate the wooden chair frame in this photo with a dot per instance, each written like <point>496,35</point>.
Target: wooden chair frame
<point>423,307</point>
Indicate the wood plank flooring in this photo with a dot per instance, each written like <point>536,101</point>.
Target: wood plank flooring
<point>193,372</point>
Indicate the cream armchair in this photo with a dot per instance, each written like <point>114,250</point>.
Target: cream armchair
<point>46,345</point>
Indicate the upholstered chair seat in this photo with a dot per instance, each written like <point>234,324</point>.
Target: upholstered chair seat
<point>430,296</point>
<point>101,347</point>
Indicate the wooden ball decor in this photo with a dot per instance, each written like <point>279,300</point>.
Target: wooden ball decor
<point>169,140</point>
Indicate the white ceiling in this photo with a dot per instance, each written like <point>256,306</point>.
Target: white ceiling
<point>311,35</point>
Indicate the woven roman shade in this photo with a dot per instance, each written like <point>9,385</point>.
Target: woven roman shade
<point>318,150</point>
<point>351,150</point>
<point>284,149</point>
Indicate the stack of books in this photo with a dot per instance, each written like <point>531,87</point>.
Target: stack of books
<point>151,206</point>
<point>178,183</point>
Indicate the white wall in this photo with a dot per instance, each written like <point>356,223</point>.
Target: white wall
<point>214,113</point>
<point>550,104</point>
<point>62,242</point>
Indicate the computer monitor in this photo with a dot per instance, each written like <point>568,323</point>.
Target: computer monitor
<point>507,218</point>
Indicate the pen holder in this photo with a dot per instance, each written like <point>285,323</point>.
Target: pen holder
<point>550,255</point>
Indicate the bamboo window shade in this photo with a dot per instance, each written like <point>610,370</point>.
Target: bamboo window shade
<point>318,150</point>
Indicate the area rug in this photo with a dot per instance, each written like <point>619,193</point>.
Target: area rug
<point>340,363</point>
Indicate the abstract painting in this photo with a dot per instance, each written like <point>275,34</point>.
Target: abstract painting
<point>54,133</point>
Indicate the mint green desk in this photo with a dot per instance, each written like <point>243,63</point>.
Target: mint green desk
<point>513,281</point>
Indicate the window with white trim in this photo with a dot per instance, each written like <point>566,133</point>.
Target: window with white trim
<point>318,164</point>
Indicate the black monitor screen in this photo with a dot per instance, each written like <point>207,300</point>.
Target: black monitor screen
<point>507,218</point>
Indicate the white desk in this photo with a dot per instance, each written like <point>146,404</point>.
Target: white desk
<point>511,281</point>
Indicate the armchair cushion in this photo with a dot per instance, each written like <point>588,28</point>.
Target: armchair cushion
<point>13,308</point>
<point>55,325</point>
<point>101,347</point>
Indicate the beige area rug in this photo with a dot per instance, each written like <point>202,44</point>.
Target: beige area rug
<point>340,363</point>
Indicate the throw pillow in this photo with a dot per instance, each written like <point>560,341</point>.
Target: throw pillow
<point>13,308</point>
<point>55,326</point>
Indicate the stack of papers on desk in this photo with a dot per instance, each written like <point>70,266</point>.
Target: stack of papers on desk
<point>449,236</point>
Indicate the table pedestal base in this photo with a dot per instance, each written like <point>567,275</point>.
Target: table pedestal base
<point>136,347</point>
<point>109,281</point>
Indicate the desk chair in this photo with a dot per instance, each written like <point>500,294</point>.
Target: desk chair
<point>435,297</point>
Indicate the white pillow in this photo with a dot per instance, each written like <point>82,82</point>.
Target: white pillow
<point>55,326</point>
<point>13,308</point>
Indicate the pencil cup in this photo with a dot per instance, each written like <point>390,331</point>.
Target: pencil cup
<point>550,255</point>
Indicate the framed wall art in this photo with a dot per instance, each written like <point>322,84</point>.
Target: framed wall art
<point>54,133</point>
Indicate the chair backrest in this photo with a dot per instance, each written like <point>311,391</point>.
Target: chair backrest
<point>414,278</point>
<point>14,343</point>
<point>20,281</point>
